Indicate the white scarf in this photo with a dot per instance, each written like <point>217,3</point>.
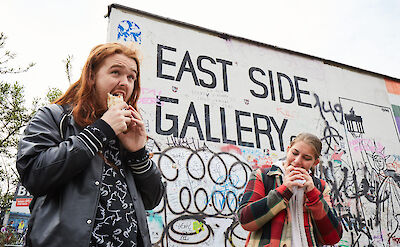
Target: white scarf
<point>299,237</point>
<point>296,203</point>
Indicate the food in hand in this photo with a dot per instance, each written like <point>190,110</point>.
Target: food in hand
<point>114,99</point>
<point>300,181</point>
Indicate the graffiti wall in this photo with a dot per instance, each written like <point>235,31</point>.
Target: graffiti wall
<point>217,107</point>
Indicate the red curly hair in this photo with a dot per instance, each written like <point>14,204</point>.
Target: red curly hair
<point>81,95</point>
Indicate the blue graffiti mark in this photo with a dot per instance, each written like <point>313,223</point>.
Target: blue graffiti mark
<point>129,31</point>
<point>156,218</point>
<point>224,189</point>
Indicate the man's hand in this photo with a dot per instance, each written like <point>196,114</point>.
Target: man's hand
<point>118,117</point>
<point>135,136</point>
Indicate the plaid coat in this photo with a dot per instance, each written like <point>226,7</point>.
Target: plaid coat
<point>266,213</point>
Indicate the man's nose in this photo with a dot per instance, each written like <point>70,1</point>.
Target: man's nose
<point>123,81</point>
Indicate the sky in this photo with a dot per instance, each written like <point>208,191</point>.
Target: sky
<point>360,33</point>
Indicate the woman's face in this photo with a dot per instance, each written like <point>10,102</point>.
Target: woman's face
<point>116,75</point>
<point>302,155</point>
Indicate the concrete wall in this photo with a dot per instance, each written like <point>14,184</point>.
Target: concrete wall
<point>216,107</point>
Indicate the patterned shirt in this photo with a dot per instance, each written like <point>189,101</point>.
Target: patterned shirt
<point>115,223</point>
<point>265,213</point>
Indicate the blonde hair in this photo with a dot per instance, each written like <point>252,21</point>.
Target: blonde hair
<point>311,140</point>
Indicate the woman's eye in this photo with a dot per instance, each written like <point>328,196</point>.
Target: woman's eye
<point>116,72</point>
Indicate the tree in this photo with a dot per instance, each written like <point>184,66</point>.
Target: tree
<point>68,67</point>
<point>52,94</point>
<point>6,56</point>
<point>14,116</point>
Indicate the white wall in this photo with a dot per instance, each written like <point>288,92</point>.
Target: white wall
<point>225,126</point>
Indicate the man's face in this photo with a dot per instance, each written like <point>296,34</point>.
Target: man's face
<point>116,75</point>
<point>301,155</point>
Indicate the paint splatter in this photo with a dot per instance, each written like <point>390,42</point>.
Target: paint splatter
<point>129,31</point>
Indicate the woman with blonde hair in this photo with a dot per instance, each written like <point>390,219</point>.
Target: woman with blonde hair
<point>286,205</point>
<point>84,160</point>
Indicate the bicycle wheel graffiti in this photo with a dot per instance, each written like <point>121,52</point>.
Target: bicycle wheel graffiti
<point>203,192</point>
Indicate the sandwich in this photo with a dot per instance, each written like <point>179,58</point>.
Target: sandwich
<point>114,99</point>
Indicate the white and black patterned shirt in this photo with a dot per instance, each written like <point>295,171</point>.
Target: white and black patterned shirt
<point>115,224</point>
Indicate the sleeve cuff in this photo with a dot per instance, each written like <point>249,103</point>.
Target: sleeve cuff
<point>96,135</point>
<point>139,161</point>
<point>138,155</point>
<point>105,128</point>
<point>313,196</point>
<point>285,192</point>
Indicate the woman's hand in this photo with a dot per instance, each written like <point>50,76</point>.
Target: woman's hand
<point>135,136</point>
<point>118,117</point>
<point>309,184</point>
<point>297,176</point>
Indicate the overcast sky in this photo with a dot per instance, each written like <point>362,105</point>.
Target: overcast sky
<point>360,33</point>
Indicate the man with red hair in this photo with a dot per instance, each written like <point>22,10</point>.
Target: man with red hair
<point>86,163</point>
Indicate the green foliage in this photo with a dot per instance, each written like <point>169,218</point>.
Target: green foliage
<point>68,67</point>
<point>6,56</point>
<point>10,237</point>
<point>14,116</point>
<point>6,199</point>
<point>52,94</point>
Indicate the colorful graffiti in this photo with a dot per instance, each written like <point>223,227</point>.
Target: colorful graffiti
<point>204,185</point>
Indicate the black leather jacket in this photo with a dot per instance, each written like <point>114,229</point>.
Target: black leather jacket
<point>64,177</point>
